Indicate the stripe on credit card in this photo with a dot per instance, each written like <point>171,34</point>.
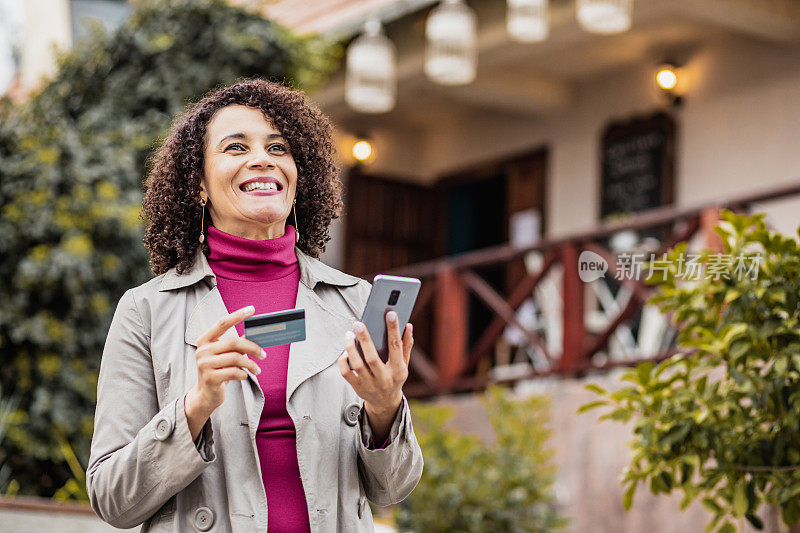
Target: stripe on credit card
<point>271,318</point>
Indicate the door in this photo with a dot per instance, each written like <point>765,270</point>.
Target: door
<point>481,203</point>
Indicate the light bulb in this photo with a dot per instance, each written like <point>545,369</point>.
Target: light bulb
<point>666,77</point>
<point>362,150</point>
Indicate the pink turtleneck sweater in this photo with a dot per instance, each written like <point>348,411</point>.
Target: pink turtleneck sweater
<point>265,274</point>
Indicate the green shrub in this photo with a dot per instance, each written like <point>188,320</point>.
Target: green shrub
<point>469,486</point>
<point>720,422</point>
<point>72,161</point>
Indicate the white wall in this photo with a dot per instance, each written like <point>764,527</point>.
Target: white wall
<point>47,26</point>
<point>741,128</point>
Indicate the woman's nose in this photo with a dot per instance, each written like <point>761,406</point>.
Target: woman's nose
<point>261,159</point>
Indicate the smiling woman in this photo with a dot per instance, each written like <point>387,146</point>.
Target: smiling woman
<point>312,430</point>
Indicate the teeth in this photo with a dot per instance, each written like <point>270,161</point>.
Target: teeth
<point>261,185</point>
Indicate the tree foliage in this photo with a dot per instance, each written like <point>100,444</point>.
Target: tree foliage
<point>72,160</point>
<point>720,421</point>
<point>469,486</point>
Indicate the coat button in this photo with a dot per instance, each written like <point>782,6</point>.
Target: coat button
<point>164,428</point>
<point>351,413</point>
<point>203,519</point>
<point>362,506</point>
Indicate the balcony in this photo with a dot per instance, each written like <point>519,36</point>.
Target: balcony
<point>552,323</point>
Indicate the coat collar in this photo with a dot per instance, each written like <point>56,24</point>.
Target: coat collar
<point>312,271</point>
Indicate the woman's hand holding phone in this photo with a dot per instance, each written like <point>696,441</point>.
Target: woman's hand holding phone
<point>379,384</point>
<point>218,362</point>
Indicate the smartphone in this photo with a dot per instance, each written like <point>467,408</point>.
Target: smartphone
<point>395,293</point>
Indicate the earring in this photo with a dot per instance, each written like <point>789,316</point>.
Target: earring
<point>294,209</point>
<point>202,220</point>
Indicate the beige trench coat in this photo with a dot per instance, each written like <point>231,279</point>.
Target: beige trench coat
<point>144,467</point>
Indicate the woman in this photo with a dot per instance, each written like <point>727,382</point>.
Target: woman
<point>197,427</point>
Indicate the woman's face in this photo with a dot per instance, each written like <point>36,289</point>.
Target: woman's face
<point>242,146</point>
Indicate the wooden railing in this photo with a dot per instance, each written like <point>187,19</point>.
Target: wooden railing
<point>443,361</point>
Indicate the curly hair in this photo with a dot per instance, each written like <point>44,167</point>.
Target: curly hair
<point>171,206</point>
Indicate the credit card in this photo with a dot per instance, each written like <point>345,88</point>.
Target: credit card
<point>273,329</point>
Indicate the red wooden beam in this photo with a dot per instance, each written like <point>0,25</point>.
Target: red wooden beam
<point>710,218</point>
<point>574,329</point>
<point>451,323</point>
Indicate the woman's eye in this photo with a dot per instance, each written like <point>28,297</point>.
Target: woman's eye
<point>238,146</point>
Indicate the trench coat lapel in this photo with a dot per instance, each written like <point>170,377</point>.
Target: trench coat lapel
<point>205,314</point>
<point>324,340</point>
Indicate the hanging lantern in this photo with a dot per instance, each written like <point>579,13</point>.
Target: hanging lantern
<point>604,16</point>
<point>528,21</point>
<point>451,56</point>
<point>370,79</point>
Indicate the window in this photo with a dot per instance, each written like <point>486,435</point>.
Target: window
<point>110,13</point>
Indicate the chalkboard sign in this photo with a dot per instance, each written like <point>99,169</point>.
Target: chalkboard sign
<point>638,158</point>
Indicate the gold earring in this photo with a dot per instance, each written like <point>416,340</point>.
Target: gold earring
<point>294,208</point>
<point>202,220</point>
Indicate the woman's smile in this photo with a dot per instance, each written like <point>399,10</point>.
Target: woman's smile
<point>262,186</point>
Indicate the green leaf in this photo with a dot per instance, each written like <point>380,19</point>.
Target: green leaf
<point>711,505</point>
<point>677,434</point>
<point>700,385</point>
<point>727,527</point>
<point>627,499</point>
<point>595,388</point>
<point>740,498</point>
<point>739,349</point>
<point>730,296</point>
<point>620,414</point>
<point>686,501</point>
<point>732,331</point>
<point>643,372</point>
<point>591,405</point>
<point>755,521</point>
